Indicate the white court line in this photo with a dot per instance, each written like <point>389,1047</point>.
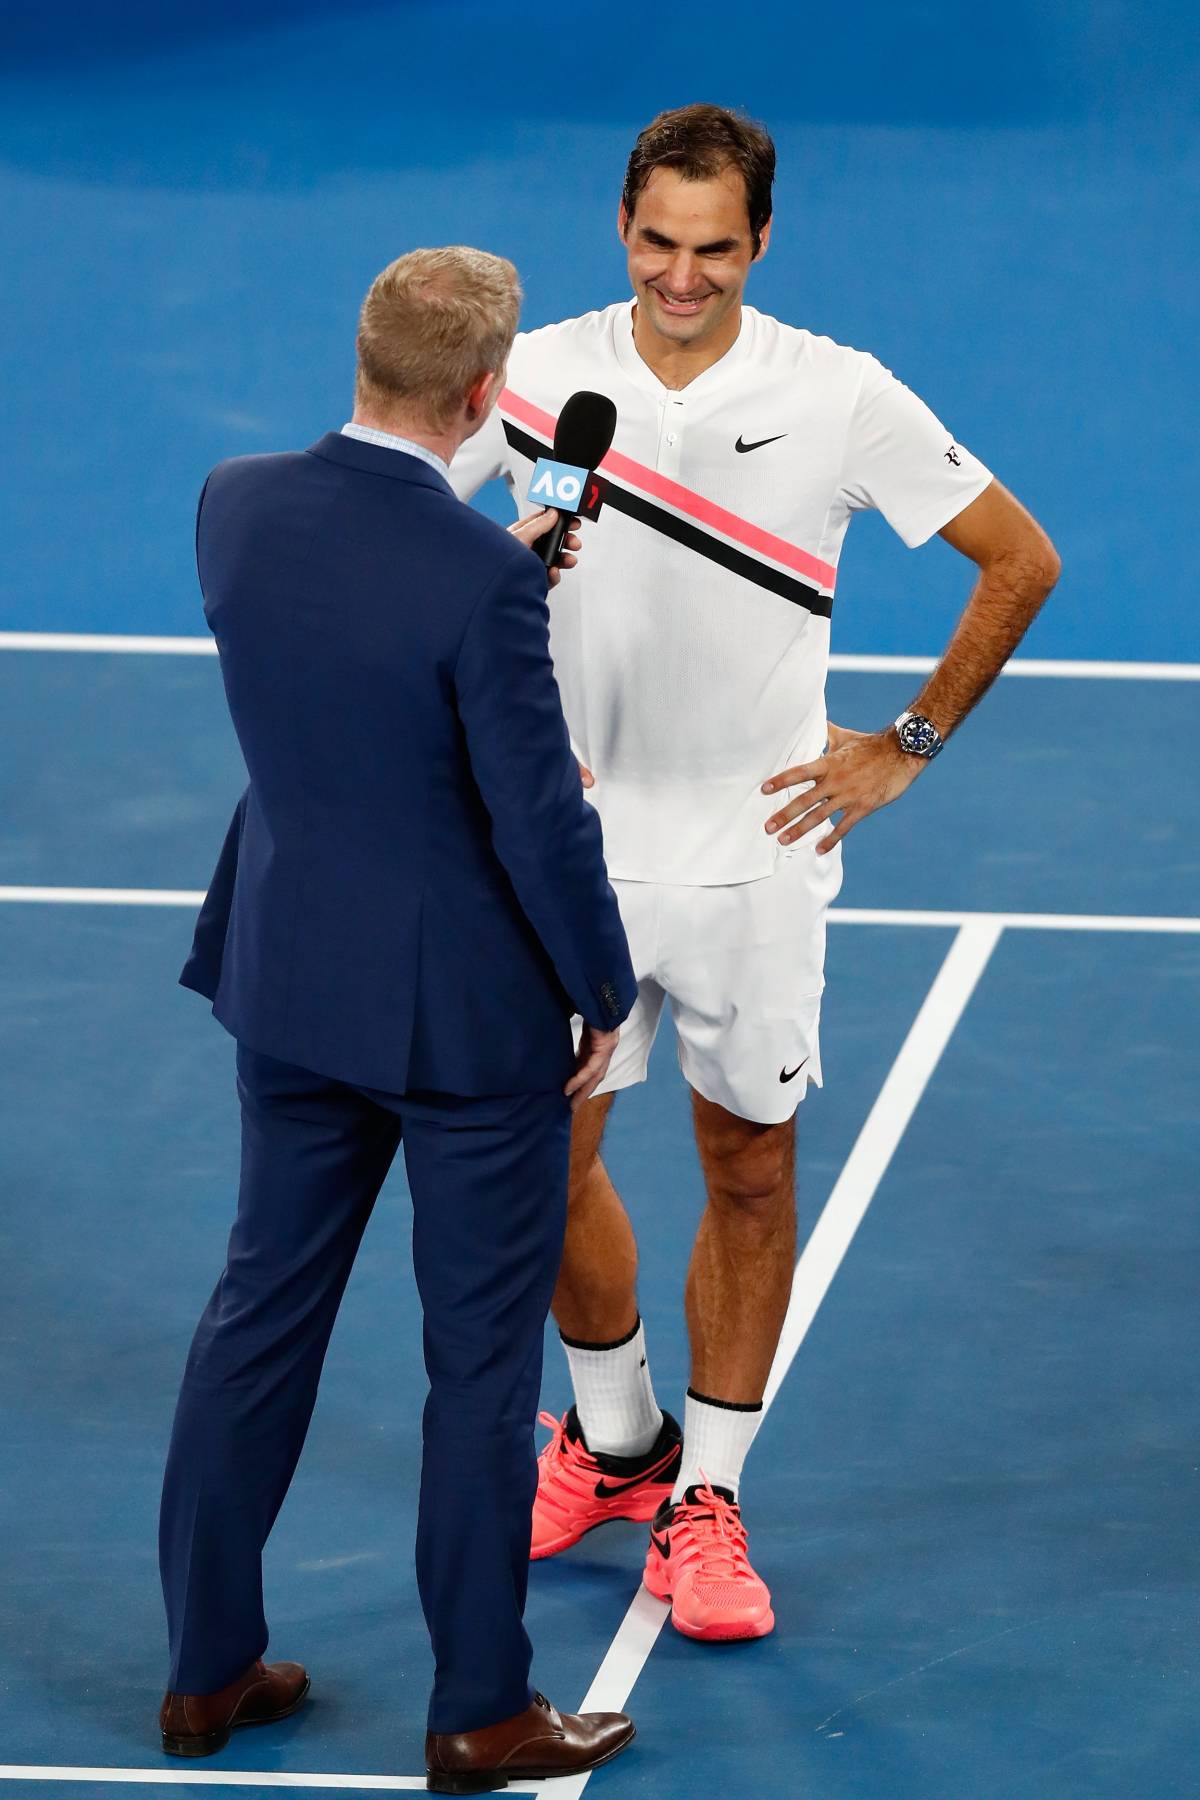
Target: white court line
<point>838,915</point>
<point>108,643</point>
<point>1085,670</point>
<point>822,1256</point>
<point>262,1778</point>
<point>884,915</point>
<point>820,1260</point>
<point>117,644</point>
<point>64,896</point>
<point>220,1778</point>
<point>559,1790</point>
<point>877,1141</point>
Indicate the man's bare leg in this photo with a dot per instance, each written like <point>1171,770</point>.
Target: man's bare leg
<point>595,1308</point>
<point>740,1277</point>
<point>737,1295</point>
<point>738,1286</point>
<point>595,1301</point>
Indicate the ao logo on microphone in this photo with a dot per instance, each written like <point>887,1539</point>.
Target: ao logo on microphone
<point>557,484</point>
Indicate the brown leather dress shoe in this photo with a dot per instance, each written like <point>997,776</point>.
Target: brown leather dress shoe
<point>198,1724</point>
<point>537,1743</point>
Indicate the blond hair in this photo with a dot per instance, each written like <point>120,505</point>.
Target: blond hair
<point>432,323</point>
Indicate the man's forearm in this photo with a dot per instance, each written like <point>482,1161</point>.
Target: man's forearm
<point>862,771</point>
<point>1008,596</point>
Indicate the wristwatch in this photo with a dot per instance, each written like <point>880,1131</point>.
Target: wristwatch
<point>918,735</point>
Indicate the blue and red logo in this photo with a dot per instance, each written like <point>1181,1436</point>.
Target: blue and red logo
<point>567,487</point>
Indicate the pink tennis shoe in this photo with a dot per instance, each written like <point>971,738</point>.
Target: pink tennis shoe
<point>699,1562</point>
<point>578,1489</point>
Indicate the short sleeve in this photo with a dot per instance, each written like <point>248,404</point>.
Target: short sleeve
<point>901,460</point>
<point>480,459</point>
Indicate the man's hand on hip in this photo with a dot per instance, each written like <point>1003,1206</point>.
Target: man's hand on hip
<point>536,526</point>
<point>591,1064</point>
<point>859,772</point>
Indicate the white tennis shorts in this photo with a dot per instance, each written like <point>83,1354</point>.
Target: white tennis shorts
<point>743,968</point>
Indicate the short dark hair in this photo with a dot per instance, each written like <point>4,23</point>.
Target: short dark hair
<point>702,141</point>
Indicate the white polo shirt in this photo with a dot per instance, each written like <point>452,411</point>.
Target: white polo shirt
<point>691,644</point>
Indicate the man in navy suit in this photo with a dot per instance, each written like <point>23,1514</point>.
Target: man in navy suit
<point>410,904</point>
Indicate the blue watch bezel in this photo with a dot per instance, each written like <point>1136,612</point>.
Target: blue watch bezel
<point>919,736</point>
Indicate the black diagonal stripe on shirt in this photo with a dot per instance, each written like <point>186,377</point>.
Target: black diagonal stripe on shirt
<point>692,537</point>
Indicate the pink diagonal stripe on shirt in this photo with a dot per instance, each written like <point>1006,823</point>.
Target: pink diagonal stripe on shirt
<point>684,500</point>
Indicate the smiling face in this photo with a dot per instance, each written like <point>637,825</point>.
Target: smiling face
<point>690,250</point>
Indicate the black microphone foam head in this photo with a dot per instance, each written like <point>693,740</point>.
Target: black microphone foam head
<point>585,430</point>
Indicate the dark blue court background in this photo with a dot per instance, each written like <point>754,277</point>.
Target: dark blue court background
<point>1000,201</point>
<point>975,1494</point>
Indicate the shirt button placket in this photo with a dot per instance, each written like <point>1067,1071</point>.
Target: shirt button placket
<point>670,436</point>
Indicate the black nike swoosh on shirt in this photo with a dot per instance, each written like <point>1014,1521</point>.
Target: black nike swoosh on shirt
<point>662,1545</point>
<point>785,1076</point>
<point>682,531</point>
<point>743,448</point>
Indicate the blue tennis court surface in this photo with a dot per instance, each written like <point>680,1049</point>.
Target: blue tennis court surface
<point>974,1495</point>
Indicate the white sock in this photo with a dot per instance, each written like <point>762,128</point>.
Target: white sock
<point>613,1394</point>
<point>716,1438</point>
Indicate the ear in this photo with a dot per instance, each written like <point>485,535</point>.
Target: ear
<point>764,240</point>
<point>481,394</point>
<point>622,221</point>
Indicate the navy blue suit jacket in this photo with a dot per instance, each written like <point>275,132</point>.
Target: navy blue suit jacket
<point>412,893</point>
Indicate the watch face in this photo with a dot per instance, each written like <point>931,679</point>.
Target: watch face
<point>919,737</point>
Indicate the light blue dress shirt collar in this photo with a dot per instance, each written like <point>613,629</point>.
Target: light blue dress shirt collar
<point>367,434</point>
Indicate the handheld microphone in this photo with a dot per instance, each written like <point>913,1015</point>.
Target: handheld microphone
<point>582,439</point>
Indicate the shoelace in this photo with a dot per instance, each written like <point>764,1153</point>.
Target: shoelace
<point>565,1461</point>
<point>721,1550</point>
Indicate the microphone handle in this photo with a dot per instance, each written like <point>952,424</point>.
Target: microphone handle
<point>549,547</point>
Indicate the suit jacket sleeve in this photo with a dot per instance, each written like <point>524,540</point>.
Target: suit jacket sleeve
<point>543,830</point>
<point>202,970</point>
<point>196,534</point>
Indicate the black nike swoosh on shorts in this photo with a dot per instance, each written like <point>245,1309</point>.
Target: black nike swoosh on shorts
<point>692,537</point>
<point>784,1075</point>
<point>743,448</point>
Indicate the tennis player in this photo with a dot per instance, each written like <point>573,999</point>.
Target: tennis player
<point>691,646</point>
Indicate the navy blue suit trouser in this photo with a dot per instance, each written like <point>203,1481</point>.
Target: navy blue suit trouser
<point>488,1178</point>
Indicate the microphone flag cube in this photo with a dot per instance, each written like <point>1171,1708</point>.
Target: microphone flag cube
<point>557,484</point>
<point>594,490</point>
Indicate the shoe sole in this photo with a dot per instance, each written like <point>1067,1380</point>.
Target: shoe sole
<point>735,1633</point>
<point>724,1634</point>
<point>209,1742</point>
<point>490,1781</point>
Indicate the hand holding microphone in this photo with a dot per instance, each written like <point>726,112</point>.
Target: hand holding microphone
<point>568,482</point>
<point>534,528</point>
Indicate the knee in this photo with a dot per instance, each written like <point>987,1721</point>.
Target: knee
<point>755,1184</point>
